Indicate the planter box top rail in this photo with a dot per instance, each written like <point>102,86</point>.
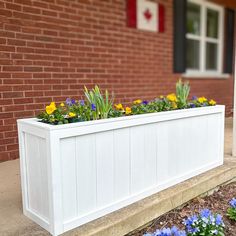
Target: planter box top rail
<point>127,121</point>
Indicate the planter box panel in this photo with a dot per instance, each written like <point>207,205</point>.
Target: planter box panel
<point>121,163</point>
<point>36,175</point>
<point>79,173</point>
<point>86,173</point>
<point>68,177</point>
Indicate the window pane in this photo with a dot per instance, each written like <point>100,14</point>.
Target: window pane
<point>193,52</point>
<point>193,18</point>
<point>212,23</point>
<point>211,56</point>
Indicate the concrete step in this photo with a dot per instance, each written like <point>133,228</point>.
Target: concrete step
<point>138,214</point>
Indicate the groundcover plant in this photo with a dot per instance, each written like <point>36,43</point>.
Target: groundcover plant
<point>204,224</point>
<point>100,106</point>
<point>231,212</point>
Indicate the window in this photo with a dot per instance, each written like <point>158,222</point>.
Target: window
<point>204,35</point>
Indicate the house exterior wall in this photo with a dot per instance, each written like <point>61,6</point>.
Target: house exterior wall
<point>50,49</point>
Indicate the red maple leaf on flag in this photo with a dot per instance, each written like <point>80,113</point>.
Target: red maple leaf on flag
<point>147,14</point>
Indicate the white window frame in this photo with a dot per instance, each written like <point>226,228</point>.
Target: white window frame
<point>203,39</point>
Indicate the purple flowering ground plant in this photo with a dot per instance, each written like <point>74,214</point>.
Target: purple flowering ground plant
<point>174,231</point>
<point>231,212</point>
<point>204,224</point>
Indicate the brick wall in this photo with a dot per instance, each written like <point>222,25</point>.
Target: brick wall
<point>50,49</point>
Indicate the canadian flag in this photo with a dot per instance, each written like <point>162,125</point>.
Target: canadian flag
<point>145,15</point>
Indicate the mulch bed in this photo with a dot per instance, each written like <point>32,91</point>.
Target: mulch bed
<point>218,202</point>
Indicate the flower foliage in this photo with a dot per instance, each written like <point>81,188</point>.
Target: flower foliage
<point>231,212</point>
<point>182,92</point>
<point>100,106</point>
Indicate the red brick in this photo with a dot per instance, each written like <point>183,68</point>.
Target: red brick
<point>32,69</point>
<point>23,100</point>
<point>11,134</point>
<point>4,12</point>
<point>4,156</point>
<point>14,7</point>
<point>12,94</point>
<point>7,48</point>
<point>12,68</point>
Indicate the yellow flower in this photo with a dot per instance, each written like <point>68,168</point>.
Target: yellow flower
<point>127,110</point>
<point>50,109</point>
<point>62,104</point>
<point>212,102</point>
<point>72,114</point>
<point>174,105</point>
<point>119,106</point>
<point>52,104</point>
<point>137,101</point>
<point>202,99</point>
<point>172,97</point>
<point>161,97</point>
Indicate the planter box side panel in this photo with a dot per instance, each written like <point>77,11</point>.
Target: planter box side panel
<point>104,171</point>
<point>34,175</point>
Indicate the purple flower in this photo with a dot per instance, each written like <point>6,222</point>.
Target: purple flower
<point>194,98</point>
<point>233,203</point>
<point>93,107</point>
<point>205,213</point>
<point>144,102</point>
<point>190,220</point>
<point>70,102</point>
<point>219,220</point>
<point>82,102</point>
<point>174,231</point>
<point>192,105</point>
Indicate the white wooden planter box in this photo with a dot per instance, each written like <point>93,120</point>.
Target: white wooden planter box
<point>72,174</point>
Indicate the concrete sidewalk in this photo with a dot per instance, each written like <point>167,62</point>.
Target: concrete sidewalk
<point>13,222</point>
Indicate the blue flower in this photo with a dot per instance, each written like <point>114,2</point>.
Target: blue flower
<point>192,105</point>
<point>174,231</point>
<point>190,220</point>
<point>205,213</point>
<point>82,102</point>
<point>70,102</point>
<point>144,102</point>
<point>93,107</point>
<point>219,220</point>
<point>233,203</point>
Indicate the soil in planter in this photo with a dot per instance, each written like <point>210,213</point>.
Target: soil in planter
<point>218,202</point>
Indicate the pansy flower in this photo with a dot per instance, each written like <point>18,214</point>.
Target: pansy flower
<point>82,103</point>
<point>93,107</point>
<point>138,101</point>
